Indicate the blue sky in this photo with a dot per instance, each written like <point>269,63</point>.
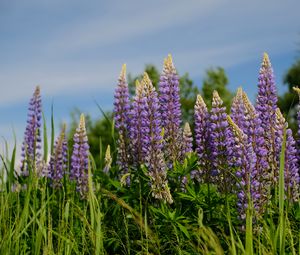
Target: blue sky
<point>74,49</point>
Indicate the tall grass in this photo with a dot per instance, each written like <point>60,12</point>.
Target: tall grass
<point>116,219</point>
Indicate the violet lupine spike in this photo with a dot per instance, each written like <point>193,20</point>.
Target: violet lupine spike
<point>243,158</point>
<point>201,117</point>
<point>122,120</point>
<point>31,146</point>
<point>152,143</point>
<point>58,161</point>
<point>80,159</point>
<point>252,128</point>
<point>187,139</point>
<point>169,99</point>
<point>138,124</point>
<point>237,111</point>
<point>291,165</point>
<point>266,105</point>
<point>219,143</point>
<point>297,90</point>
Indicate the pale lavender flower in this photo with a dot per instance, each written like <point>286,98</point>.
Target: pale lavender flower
<point>139,124</point>
<point>220,142</point>
<point>170,109</point>
<point>58,161</point>
<point>152,143</point>
<point>252,128</point>
<point>80,159</point>
<point>31,146</point>
<point>201,117</point>
<point>187,141</point>
<point>266,105</point>
<point>243,159</point>
<point>291,165</point>
<point>122,120</point>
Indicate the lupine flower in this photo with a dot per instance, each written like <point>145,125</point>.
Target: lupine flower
<point>243,158</point>
<point>266,105</point>
<point>187,139</point>
<point>201,117</point>
<point>170,109</point>
<point>291,166</point>
<point>58,161</point>
<point>237,111</point>
<point>138,124</point>
<point>298,122</point>
<point>107,160</point>
<point>152,143</point>
<point>252,128</point>
<point>31,147</point>
<point>79,159</point>
<point>122,120</point>
<point>219,142</point>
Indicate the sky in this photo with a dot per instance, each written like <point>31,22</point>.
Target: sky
<point>75,49</point>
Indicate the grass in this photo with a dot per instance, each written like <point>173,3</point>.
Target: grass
<point>115,219</point>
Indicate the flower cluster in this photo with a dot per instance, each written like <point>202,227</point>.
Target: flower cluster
<point>79,160</point>
<point>58,162</point>
<point>31,155</point>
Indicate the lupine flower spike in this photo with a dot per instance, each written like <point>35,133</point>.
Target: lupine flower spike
<point>138,124</point>
<point>170,109</point>
<point>31,155</point>
<point>220,142</point>
<point>291,165</point>
<point>201,117</point>
<point>152,143</point>
<point>297,90</point>
<point>187,139</point>
<point>252,128</point>
<point>79,159</point>
<point>243,159</point>
<point>58,161</point>
<point>266,105</point>
<point>122,120</point>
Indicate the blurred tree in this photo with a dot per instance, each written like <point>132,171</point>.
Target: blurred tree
<point>216,79</point>
<point>288,101</point>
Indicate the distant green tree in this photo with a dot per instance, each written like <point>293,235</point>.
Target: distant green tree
<point>216,79</point>
<point>288,101</point>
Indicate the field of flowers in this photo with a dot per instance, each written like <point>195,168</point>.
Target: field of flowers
<point>224,184</point>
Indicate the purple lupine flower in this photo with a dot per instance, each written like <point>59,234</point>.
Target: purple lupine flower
<point>237,111</point>
<point>187,139</point>
<point>79,159</point>
<point>58,161</point>
<point>219,143</point>
<point>291,166</point>
<point>152,143</point>
<point>291,171</point>
<point>266,105</point>
<point>138,124</point>
<point>243,158</point>
<point>170,109</point>
<point>201,117</point>
<point>298,122</point>
<point>252,128</point>
<point>122,120</point>
<point>31,146</point>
